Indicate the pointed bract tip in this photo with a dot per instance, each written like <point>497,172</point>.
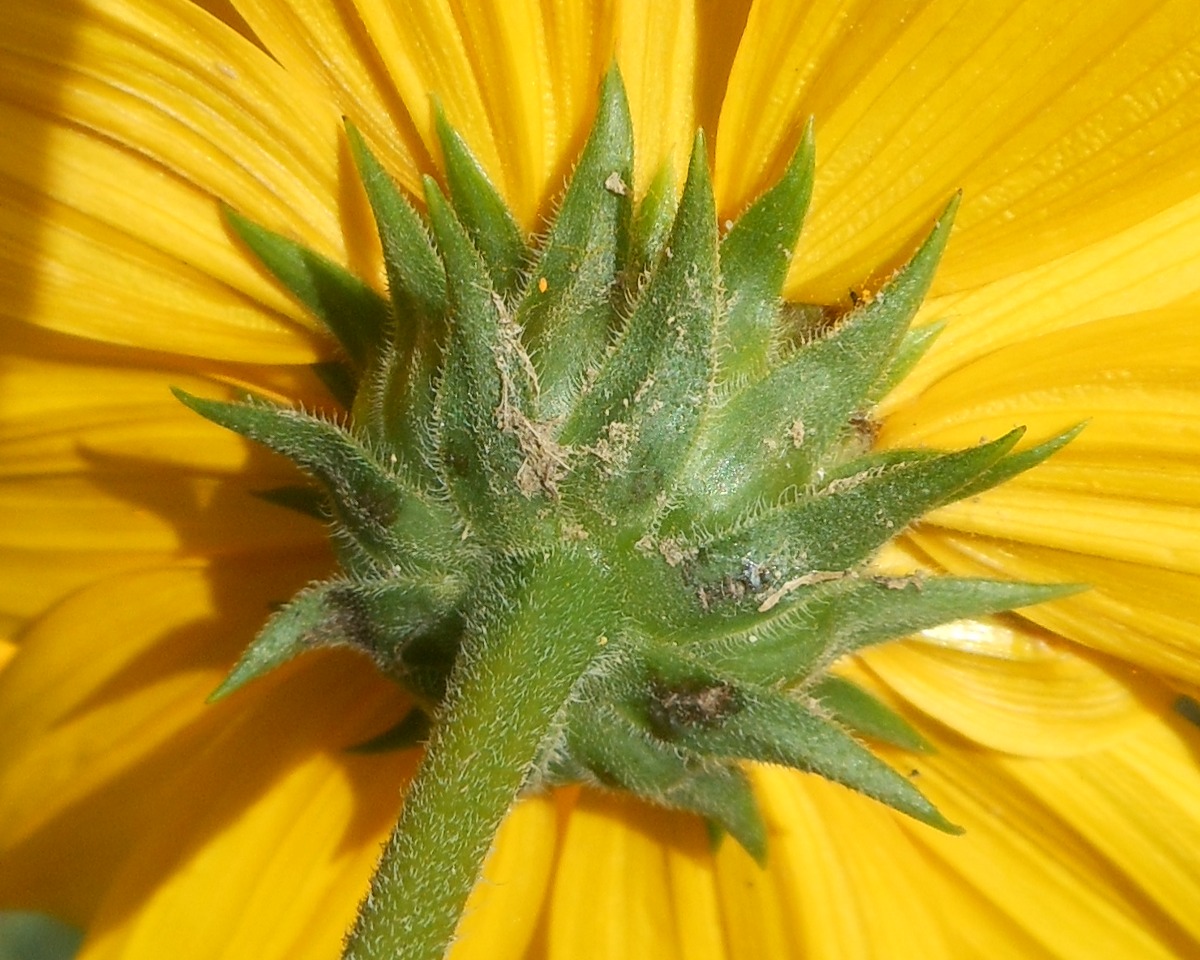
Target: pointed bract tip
<point>433,193</point>
<point>951,209</point>
<point>612,81</point>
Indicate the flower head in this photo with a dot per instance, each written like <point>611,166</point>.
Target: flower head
<point>148,561</point>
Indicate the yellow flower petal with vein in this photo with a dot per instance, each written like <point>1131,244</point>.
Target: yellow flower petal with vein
<point>611,849</point>
<point>1122,884</point>
<point>207,115</point>
<point>918,102</point>
<point>848,879</point>
<point>1052,702</point>
<point>89,733</point>
<point>656,50</point>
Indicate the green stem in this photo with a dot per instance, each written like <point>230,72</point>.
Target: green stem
<point>513,680</point>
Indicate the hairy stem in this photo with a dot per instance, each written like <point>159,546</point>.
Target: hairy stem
<point>512,683</point>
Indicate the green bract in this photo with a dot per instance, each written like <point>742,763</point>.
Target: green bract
<point>605,504</point>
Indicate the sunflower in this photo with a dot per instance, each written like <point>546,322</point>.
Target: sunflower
<point>141,554</point>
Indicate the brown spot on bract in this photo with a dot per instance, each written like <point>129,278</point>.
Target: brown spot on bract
<point>676,707</point>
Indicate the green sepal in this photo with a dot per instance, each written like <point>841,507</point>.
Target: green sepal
<point>650,229</point>
<point>482,211</point>
<point>812,626</point>
<point>307,501</point>
<point>718,717</point>
<point>724,796</point>
<point>354,313</point>
<point>401,397</point>
<point>385,518</point>
<point>411,731</point>
<point>913,347</point>
<point>774,433</point>
<point>657,381</point>
<point>840,526</point>
<point>567,312</point>
<point>851,706</point>
<point>1008,467</point>
<point>774,728</point>
<point>755,255</point>
<point>382,619</point>
<point>496,460</point>
<point>416,279</point>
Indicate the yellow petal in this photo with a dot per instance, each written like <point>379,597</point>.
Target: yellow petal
<point>517,80</point>
<point>613,850</point>
<point>1153,534</point>
<point>1107,838</point>
<point>1104,797</point>
<point>506,47</point>
<point>1148,267</point>
<point>265,841</point>
<point>1118,508</point>
<point>122,127</point>
<point>73,406</point>
<point>1057,145</point>
<point>579,46</point>
<point>506,904</point>
<point>1132,377</point>
<point>359,57</point>
<point>132,509</point>
<point>1050,701</point>
<point>102,470</point>
<point>841,881</point>
<point>1140,614</point>
<point>719,28</point>
<point>656,50</point>
<point>103,702</point>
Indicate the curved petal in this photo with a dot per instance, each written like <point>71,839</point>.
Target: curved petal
<point>1057,145</point>
<point>1047,702</point>
<point>841,881</point>
<point>613,848</point>
<point>1105,838</point>
<point>1141,614</point>
<point>1118,508</point>
<point>517,80</point>
<point>102,469</point>
<point>123,124</point>
<point>1134,379</point>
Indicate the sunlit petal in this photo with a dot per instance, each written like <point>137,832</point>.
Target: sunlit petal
<point>613,848</point>
<point>656,50</point>
<point>923,100</point>
<point>157,103</point>
<point>1121,884</point>
<point>1047,702</point>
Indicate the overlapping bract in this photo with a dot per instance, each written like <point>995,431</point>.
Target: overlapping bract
<point>629,391</point>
